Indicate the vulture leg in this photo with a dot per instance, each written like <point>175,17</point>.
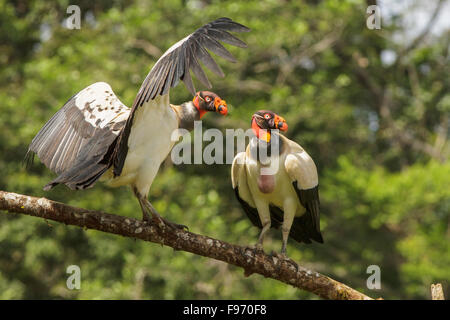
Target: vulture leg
<point>146,213</point>
<point>158,218</point>
<point>283,247</point>
<point>266,227</point>
<point>264,216</point>
<point>289,213</point>
<point>150,214</point>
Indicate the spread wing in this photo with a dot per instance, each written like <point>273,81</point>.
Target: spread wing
<point>174,65</point>
<point>303,172</point>
<point>79,135</point>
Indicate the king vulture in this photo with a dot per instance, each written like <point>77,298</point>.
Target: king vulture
<point>288,196</point>
<point>95,135</point>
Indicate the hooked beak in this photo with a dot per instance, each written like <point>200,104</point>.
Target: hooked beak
<point>220,106</point>
<point>280,123</point>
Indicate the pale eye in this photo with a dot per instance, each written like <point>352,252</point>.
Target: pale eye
<point>208,99</point>
<point>267,116</point>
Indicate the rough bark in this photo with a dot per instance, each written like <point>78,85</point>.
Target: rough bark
<point>284,270</point>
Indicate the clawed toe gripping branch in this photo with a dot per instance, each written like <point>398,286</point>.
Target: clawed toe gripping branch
<point>284,270</point>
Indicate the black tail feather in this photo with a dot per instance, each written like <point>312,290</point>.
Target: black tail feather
<point>303,230</point>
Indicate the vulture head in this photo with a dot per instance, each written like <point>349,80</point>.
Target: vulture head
<point>206,101</point>
<point>264,121</point>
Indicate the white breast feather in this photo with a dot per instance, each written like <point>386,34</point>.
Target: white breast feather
<point>149,143</point>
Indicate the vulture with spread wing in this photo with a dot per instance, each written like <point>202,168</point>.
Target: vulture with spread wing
<point>276,183</point>
<point>95,135</point>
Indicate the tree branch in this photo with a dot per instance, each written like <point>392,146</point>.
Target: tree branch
<point>383,104</point>
<point>425,30</point>
<point>286,271</point>
<point>148,47</point>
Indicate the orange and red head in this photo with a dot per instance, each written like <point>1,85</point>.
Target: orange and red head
<point>263,121</point>
<point>206,101</point>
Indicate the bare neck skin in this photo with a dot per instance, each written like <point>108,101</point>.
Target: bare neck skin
<point>187,114</point>
<point>260,144</point>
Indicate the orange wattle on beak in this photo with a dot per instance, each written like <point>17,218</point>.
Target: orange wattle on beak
<point>283,126</point>
<point>221,106</point>
<point>280,123</point>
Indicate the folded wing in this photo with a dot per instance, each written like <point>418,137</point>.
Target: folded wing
<point>303,172</point>
<point>241,189</point>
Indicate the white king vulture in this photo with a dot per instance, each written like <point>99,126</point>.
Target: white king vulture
<point>95,135</point>
<point>287,197</point>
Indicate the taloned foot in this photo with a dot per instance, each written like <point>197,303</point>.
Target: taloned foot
<point>150,215</point>
<point>283,257</point>
<point>256,248</point>
<point>174,225</point>
<point>156,219</point>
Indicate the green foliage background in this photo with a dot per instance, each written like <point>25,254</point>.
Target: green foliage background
<point>378,133</point>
